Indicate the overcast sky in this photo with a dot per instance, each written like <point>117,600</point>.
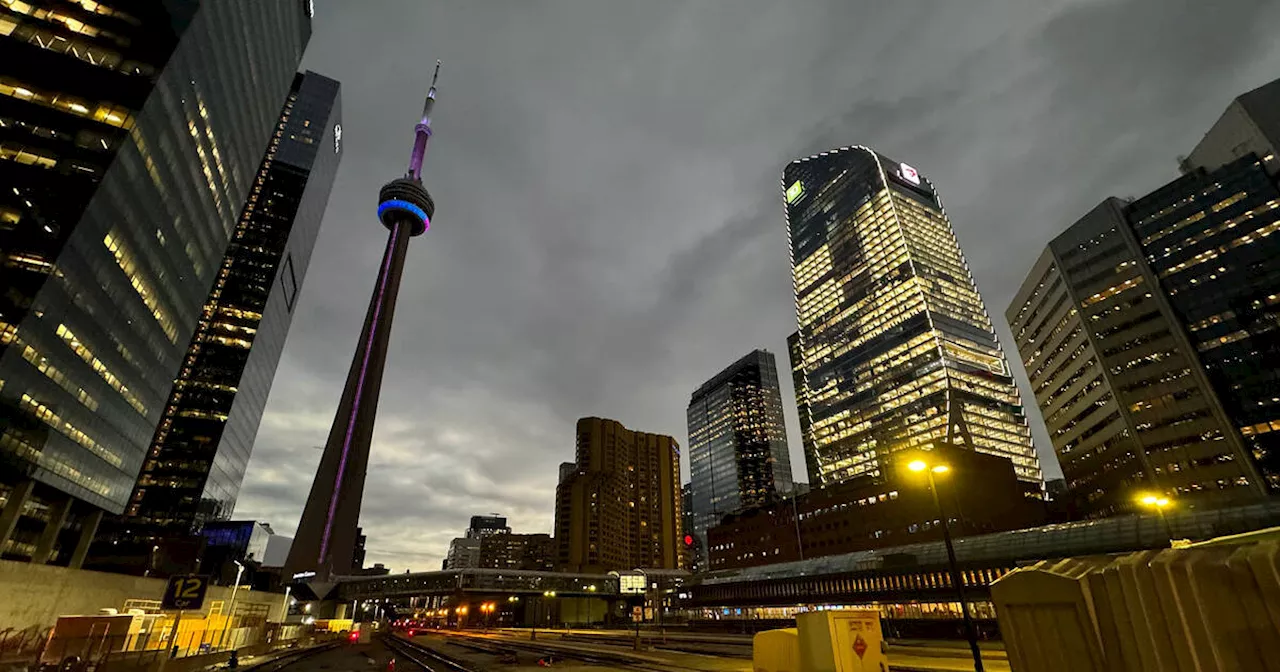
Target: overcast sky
<point>609,230</point>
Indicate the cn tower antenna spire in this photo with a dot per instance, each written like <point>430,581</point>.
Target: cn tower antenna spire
<point>422,132</point>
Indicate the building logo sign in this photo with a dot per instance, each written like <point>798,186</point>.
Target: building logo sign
<point>795,191</point>
<point>908,173</point>
<point>337,138</point>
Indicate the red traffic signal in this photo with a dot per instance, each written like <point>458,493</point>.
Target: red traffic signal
<point>688,540</point>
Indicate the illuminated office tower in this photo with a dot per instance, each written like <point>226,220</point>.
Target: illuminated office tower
<point>898,351</point>
<point>198,456</point>
<point>130,135</point>
<point>737,441</point>
<point>1148,329</point>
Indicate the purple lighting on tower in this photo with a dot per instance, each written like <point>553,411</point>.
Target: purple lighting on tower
<point>364,368</point>
<point>422,132</point>
<point>326,534</point>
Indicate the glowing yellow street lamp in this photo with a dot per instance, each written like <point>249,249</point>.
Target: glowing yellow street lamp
<point>541,607</point>
<point>930,469</point>
<point>1159,503</point>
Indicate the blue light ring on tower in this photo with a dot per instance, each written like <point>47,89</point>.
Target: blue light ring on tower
<point>406,199</point>
<point>419,215</point>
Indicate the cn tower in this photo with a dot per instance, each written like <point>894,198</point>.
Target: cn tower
<point>326,534</point>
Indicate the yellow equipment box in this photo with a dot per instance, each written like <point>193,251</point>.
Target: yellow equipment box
<point>776,650</point>
<point>848,640</point>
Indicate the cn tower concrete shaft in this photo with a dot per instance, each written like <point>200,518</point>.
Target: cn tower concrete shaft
<point>326,535</point>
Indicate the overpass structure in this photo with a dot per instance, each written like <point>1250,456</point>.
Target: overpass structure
<point>480,582</point>
<point>910,584</point>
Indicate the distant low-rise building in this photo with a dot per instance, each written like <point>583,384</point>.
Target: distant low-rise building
<point>980,494</point>
<point>464,553</point>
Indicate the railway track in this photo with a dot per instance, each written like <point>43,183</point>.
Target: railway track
<point>280,662</point>
<point>619,659</point>
<point>424,657</point>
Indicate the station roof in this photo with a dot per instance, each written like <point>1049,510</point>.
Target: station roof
<point>1120,534</point>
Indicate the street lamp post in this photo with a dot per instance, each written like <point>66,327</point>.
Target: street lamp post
<point>512,600</point>
<point>956,579</point>
<point>1159,503</point>
<point>487,610</point>
<point>232,609</point>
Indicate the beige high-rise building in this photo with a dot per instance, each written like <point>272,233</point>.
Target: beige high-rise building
<point>1148,330</point>
<point>619,506</point>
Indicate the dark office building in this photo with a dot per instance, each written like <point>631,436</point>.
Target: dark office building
<point>892,508</point>
<point>129,138</point>
<point>1148,330</point>
<point>898,351</point>
<point>795,356</point>
<point>197,459</point>
<point>357,556</point>
<point>483,526</point>
<point>738,455</point>
<point>531,552</point>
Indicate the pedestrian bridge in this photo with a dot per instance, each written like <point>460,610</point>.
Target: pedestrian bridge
<point>499,581</point>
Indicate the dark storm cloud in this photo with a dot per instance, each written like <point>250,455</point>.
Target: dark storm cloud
<point>609,230</point>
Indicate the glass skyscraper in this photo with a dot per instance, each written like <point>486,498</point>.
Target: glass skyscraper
<point>737,441</point>
<point>898,351</point>
<point>129,138</point>
<point>1149,329</point>
<point>200,449</point>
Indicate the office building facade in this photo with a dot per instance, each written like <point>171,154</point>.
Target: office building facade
<point>620,509</point>
<point>484,526</point>
<point>892,508</point>
<point>1148,330</point>
<point>358,555</point>
<point>897,349</point>
<point>130,135</point>
<point>525,552</point>
<point>197,458</point>
<point>464,553</point>
<point>738,455</point>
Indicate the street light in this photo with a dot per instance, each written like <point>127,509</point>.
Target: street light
<point>232,609</point>
<point>1159,503</point>
<point>919,465</point>
<point>541,607</point>
<point>151,560</point>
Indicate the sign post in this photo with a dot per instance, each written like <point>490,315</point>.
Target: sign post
<point>184,592</point>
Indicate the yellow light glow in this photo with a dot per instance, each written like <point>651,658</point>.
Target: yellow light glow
<point>941,469</point>
<point>1152,500</point>
<point>917,465</point>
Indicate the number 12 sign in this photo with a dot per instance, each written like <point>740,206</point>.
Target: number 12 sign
<point>185,591</point>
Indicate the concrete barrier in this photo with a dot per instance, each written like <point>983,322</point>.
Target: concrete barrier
<point>1204,608</point>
